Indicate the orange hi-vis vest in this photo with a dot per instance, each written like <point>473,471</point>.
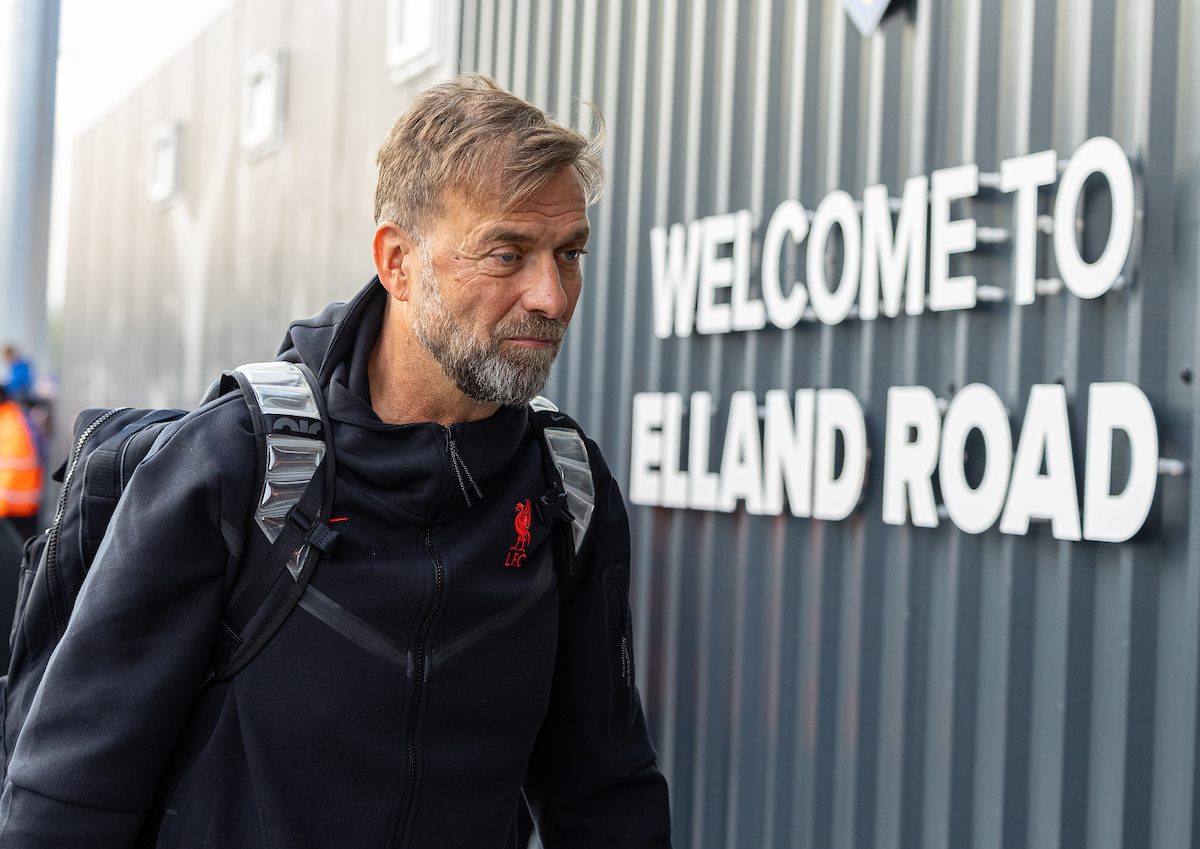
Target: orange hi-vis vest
<point>20,472</point>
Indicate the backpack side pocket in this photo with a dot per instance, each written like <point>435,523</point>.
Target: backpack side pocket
<point>34,548</point>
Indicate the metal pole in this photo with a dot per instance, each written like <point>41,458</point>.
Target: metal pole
<point>28,66</point>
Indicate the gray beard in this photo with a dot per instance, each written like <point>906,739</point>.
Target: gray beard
<point>479,369</point>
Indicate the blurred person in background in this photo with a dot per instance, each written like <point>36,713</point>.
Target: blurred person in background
<point>19,384</point>
<point>20,485</point>
<point>20,468</point>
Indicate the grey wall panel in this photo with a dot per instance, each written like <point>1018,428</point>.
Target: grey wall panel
<point>165,299</point>
<point>852,683</point>
<point>809,683</point>
<point>1173,803</point>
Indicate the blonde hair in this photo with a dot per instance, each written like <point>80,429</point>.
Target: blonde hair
<point>470,135</point>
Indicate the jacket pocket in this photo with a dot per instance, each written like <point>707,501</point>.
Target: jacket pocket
<point>24,586</point>
<point>619,642</point>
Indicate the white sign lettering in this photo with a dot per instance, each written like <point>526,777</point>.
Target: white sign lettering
<point>754,468</point>
<point>794,453</point>
<point>791,221</point>
<point>811,450</point>
<point>1095,156</point>
<point>885,259</point>
<point>911,449</point>
<point>1118,406</point>
<point>884,264</point>
<point>1025,175</point>
<point>976,407</point>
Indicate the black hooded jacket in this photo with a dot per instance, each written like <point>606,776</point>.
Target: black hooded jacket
<point>327,738</point>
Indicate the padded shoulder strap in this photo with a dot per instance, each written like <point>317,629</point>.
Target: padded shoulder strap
<point>295,475</point>
<point>292,425</point>
<point>571,499</point>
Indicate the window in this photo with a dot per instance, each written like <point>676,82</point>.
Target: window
<point>163,184</point>
<point>414,31</point>
<point>262,104</point>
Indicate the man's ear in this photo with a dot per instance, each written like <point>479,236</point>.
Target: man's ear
<point>397,259</point>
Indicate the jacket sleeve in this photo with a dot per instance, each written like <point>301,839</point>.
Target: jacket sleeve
<point>119,686</point>
<point>593,782</point>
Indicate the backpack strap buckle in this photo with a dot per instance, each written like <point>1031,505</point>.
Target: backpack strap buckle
<point>322,537</point>
<point>551,506</point>
<point>312,530</point>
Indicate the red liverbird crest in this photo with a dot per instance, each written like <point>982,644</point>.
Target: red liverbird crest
<point>516,554</point>
<point>524,517</point>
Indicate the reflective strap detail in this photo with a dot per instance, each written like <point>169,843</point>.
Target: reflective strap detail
<point>20,497</point>
<point>540,403</point>
<point>291,463</point>
<point>281,389</point>
<point>570,456</point>
<point>21,480</point>
<point>17,511</point>
<point>296,561</point>
<point>19,464</point>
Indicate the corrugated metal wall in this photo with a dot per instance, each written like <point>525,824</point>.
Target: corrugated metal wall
<point>809,684</point>
<point>851,683</point>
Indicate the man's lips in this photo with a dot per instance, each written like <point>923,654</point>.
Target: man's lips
<point>531,341</point>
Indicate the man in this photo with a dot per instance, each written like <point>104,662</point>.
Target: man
<point>20,469</point>
<point>20,491</point>
<point>428,679</point>
<point>20,376</point>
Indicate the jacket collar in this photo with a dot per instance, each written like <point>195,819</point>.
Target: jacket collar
<point>349,332</point>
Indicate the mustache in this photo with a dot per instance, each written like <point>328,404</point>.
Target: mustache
<point>536,326</point>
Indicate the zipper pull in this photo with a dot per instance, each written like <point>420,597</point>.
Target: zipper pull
<point>626,662</point>
<point>460,468</point>
<point>626,649</point>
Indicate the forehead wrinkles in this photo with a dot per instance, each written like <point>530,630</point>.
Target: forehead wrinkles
<point>475,222</point>
<point>555,230</point>
<point>551,228</point>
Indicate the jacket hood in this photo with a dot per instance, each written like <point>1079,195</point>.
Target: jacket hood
<point>324,341</point>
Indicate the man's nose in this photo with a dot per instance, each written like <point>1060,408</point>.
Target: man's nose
<point>544,290</point>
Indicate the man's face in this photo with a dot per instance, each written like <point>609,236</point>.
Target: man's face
<point>498,289</point>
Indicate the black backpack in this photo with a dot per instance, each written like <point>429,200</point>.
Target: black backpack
<point>289,416</point>
<point>288,412</point>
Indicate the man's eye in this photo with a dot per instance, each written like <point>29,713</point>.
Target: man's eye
<point>506,256</point>
<point>573,254</point>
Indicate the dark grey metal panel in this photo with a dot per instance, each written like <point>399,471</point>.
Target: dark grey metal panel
<point>847,684</point>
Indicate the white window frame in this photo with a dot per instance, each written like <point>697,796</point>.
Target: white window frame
<point>411,49</point>
<point>262,134</point>
<point>162,175</point>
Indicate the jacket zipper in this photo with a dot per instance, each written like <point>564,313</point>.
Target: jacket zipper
<point>626,660</point>
<point>419,667</point>
<point>621,661</point>
<point>410,787</point>
<point>58,608</point>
